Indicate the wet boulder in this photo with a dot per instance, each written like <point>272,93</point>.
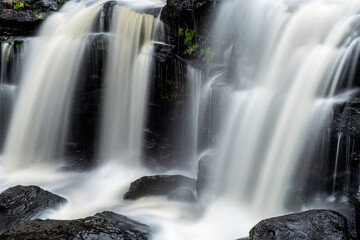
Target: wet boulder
<point>159,185</point>
<point>313,224</point>
<point>105,225</point>
<point>24,17</point>
<point>21,203</point>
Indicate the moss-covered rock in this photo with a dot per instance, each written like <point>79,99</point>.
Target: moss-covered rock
<point>23,17</point>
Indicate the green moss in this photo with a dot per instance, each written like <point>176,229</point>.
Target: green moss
<point>17,5</point>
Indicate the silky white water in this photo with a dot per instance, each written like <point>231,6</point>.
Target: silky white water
<point>286,65</point>
<point>287,55</point>
<point>126,91</point>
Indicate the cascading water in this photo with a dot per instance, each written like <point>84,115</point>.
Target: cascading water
<point>126,91</point>
<point>45,93</point>
<point>289,58</point>
<point>287,64</point>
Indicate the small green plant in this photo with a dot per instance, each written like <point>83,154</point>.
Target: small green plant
<point>61,1</point>
<point>207,54</point>
<point>17,6</point>
<point>194,49</point>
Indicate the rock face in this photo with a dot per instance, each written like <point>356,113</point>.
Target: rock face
<point>189,13</point>
<point>314,224</point>
<point>21,203</point>
<point>158,185</point>
<point>357,211</point>
<point>105,225</point>
<point>24,17</point>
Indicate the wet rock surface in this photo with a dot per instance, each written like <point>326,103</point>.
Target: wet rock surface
<point>313,224</point>
<point>158,185</point>
<point>105,225</point>
<point>357,212</point>
<point>24,17</point>
<point>21,203</point>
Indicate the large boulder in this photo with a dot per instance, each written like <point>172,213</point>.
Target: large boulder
<point>313,224</point>
<point>21,203</point>
<point>24,17</point>
<point>159,185</point>
<point>105,225</point>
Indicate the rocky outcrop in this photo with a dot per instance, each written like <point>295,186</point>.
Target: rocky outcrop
<point>357,212</point>
<point>159,185</point>
<point>188,13</point>
<point>105,225</point>
<point>24,17</point>
<point>314,224</point>
<point>21,203</point>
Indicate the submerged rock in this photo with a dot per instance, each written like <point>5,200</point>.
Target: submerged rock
<point>313,224</point>
<point>24,17</point>
<point>158,185</point>
<point>21,203</point>
<point>203,175</point>
<point>182,194</point>
<point>105,225</point>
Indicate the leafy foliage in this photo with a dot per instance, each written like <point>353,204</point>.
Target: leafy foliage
<point>194,49</point>
<point>17,6</point>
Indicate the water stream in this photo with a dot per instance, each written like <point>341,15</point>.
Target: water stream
<point>287,64</point>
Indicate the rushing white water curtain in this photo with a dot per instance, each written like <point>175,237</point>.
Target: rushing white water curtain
<point>39,123</point>
<point>287,54</point>
<point>126,86</point>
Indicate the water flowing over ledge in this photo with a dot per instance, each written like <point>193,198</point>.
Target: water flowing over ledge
<point>250,110</point>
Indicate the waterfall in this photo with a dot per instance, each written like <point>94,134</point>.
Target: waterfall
<point>126,86</point>
<point>38,126</point>
<point>11,60</point>
<point>285,58</point>
<point>49,79</point>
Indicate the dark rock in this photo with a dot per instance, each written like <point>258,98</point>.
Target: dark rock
<point>182,194</point>
<point>313,224</point>
<point>158,185</point>
<point>246,238</point>
<point>26,19</point>
<point>105,225</point>
<point>193,14</point>
<point>162,51</point>
<point>85,113</point>
<point>21,203</point>
<point>357,212</point>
